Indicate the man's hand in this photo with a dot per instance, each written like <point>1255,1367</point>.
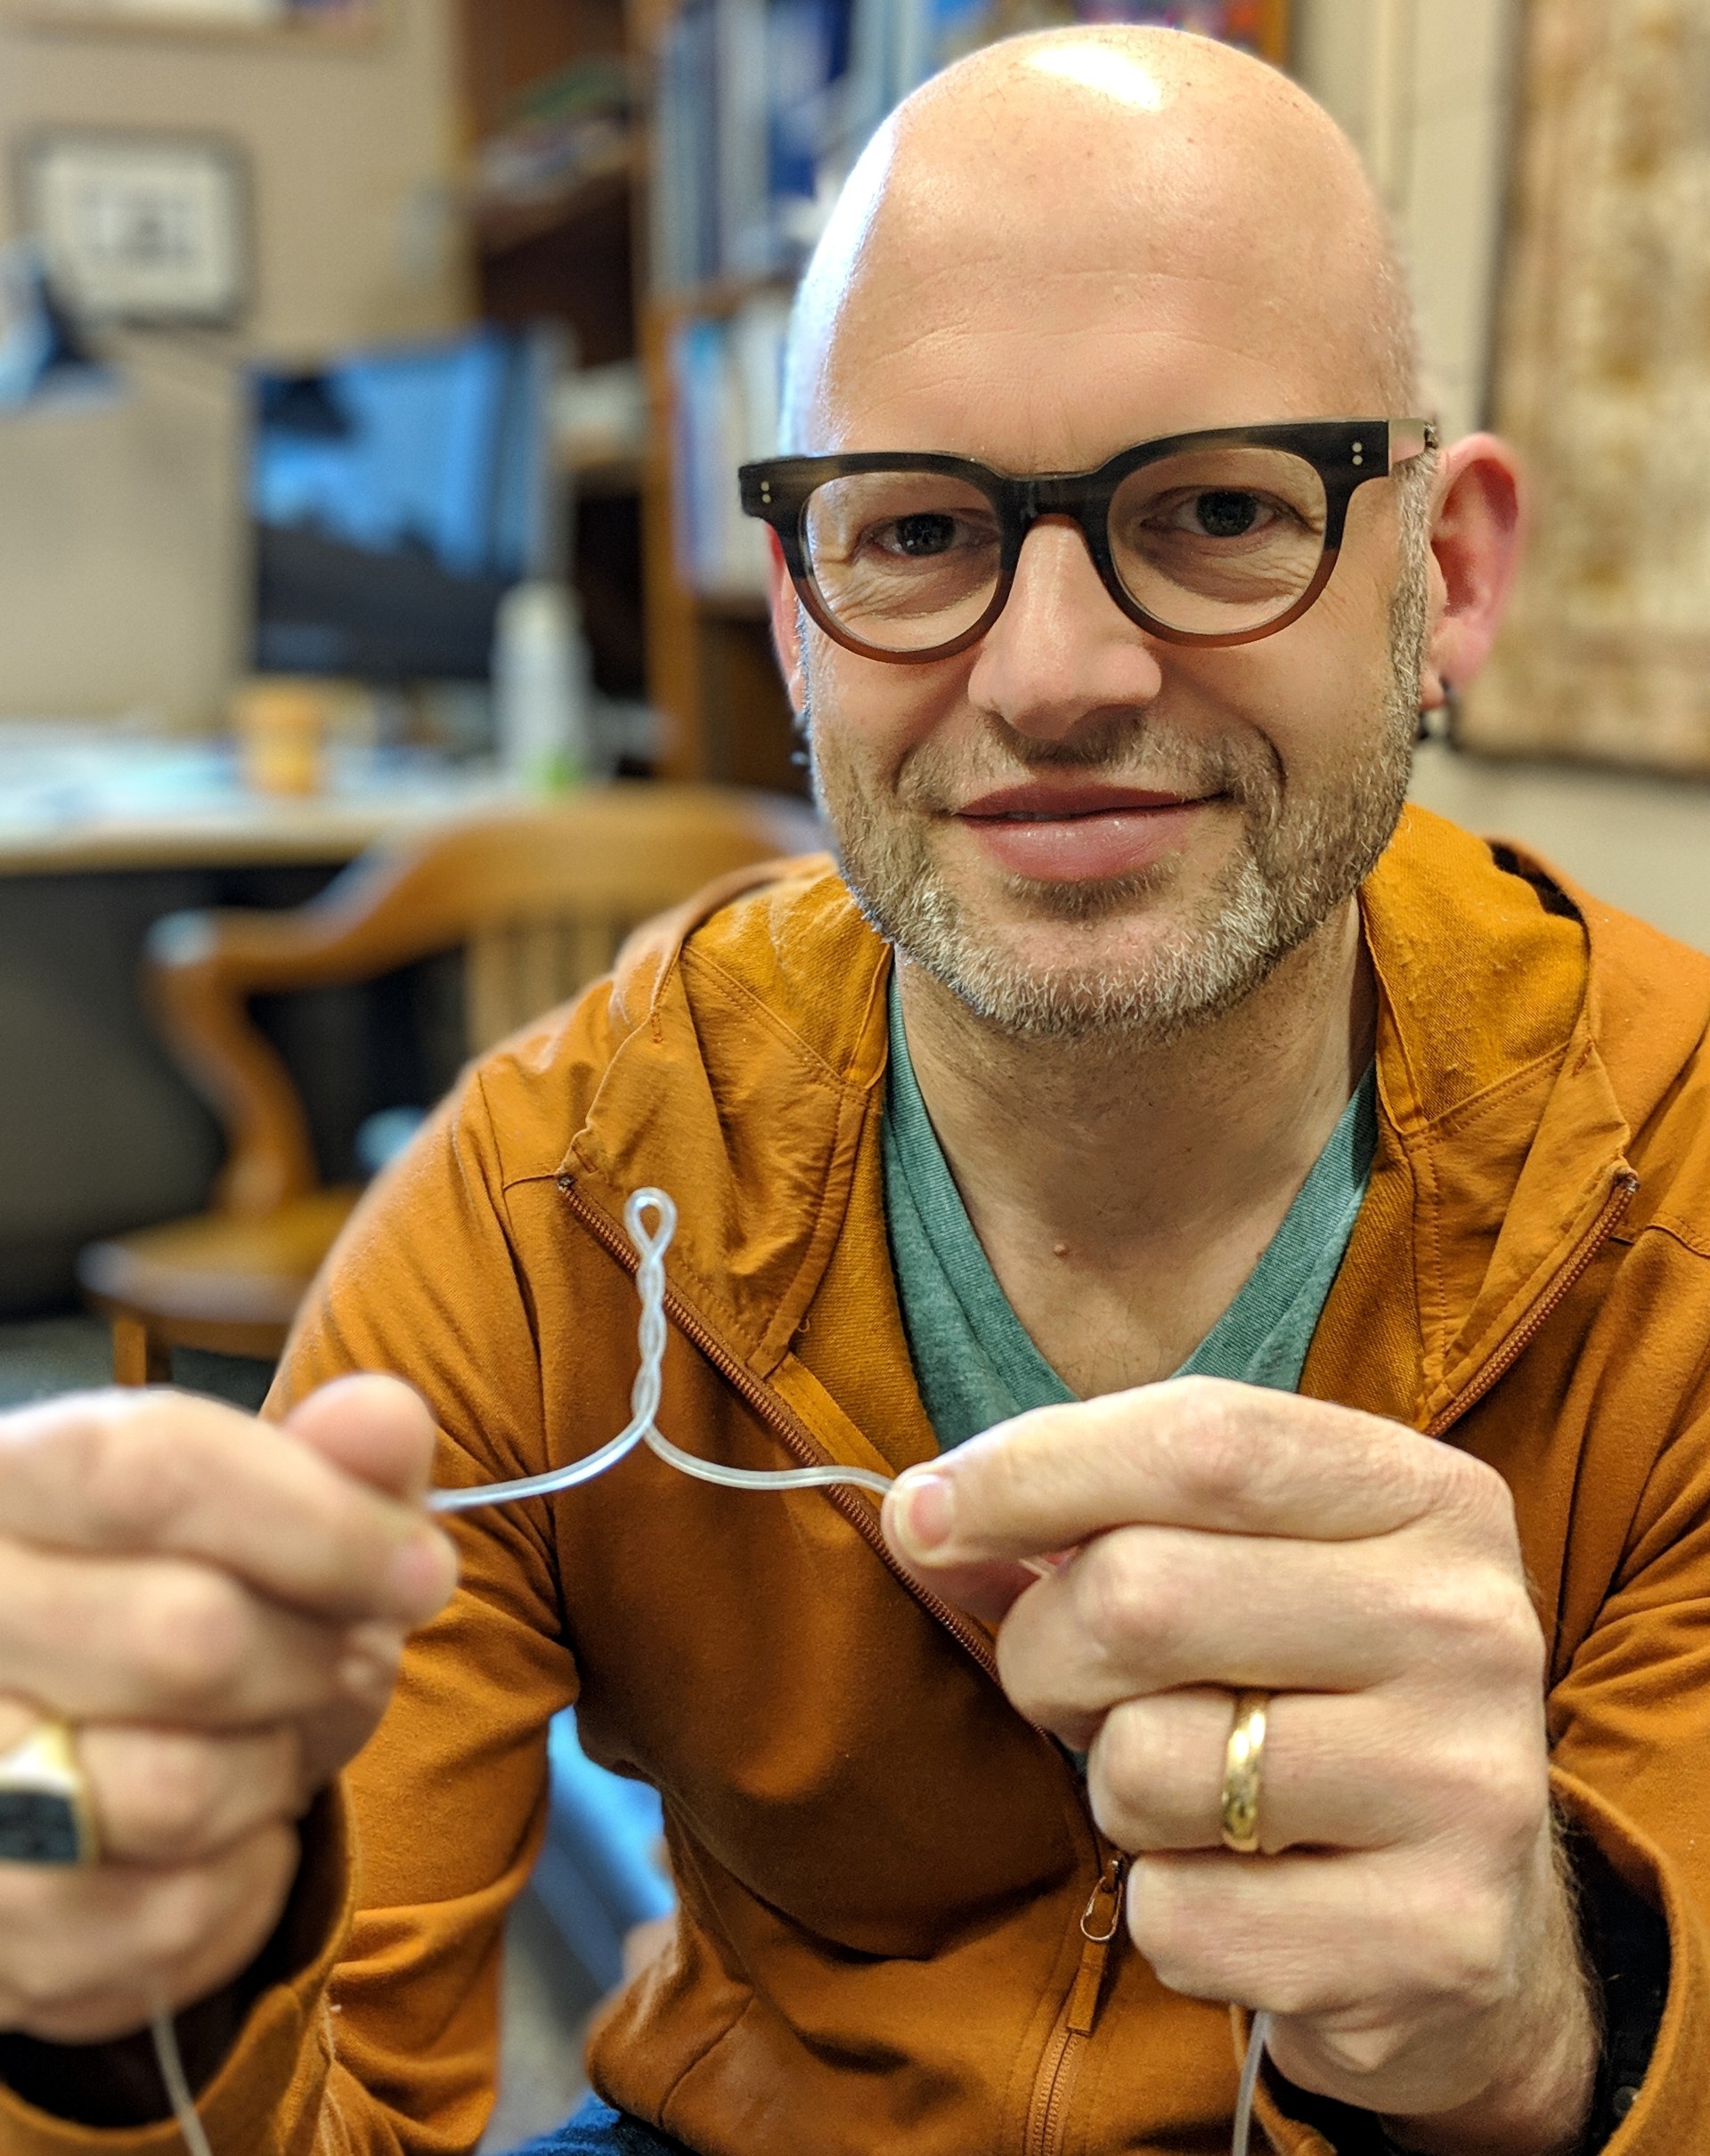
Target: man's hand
<point>1406,1922</point>
<point>218,1605</point>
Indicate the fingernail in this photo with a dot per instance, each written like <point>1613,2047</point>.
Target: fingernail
<point>926,1510</point>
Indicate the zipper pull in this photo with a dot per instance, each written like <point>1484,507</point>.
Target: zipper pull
<point>1100,1922</point>
<point>1102,1918</point>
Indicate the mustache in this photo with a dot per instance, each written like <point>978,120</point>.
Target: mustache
<point>1123,748</point>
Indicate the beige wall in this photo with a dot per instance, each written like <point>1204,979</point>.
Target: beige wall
<point>1423,87</point>
<point>122,567</point>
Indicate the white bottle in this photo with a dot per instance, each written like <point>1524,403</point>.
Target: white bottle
<point>540,687</point>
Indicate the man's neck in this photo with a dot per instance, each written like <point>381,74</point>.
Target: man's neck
<point>1124,1190</point>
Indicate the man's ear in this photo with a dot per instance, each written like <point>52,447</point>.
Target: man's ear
<point>786,626</point>
<point>1476,535</point>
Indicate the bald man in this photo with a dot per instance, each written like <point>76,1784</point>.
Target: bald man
<point>1263,1229</point>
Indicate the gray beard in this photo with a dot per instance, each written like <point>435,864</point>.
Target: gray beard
<point>1296,864</point>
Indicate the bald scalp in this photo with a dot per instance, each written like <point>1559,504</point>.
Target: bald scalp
<point>1100,169</point>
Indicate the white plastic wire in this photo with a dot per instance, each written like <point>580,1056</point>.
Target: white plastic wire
<point>651,1243</point>
<point>1258,2037</point>
<point>172,2072</point>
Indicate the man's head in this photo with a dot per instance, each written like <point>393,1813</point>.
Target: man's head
<point>1066,245</point>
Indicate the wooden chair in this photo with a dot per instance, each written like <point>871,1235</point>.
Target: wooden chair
<point>539,900</point>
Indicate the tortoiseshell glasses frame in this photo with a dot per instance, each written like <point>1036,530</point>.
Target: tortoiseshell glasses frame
<point>1175,549</point>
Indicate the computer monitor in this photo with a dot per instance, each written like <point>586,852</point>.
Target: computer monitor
<point>396,495</point>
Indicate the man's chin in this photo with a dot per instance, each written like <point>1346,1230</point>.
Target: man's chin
<point>1139,959</point>
<point>1141,904</point>
<point>1111,961</point>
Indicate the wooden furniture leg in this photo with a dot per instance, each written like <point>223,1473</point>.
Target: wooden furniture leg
<point>138,1357</point>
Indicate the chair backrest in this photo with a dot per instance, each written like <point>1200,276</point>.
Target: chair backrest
<point>538,898</point>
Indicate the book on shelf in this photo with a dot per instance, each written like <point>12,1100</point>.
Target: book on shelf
<point>572,127</point>
<point>763,106</point>
<point>727,373</point>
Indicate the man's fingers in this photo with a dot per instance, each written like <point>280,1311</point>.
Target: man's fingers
<point>178,1796</point>
<point>1193,1453</point>
<point>159,1639</point>
<point>1151,1609</point>
<point>1144,1610</point>
<point>1330,1781</point>
<point>376,1429</point>
<point>1318,1935</point>
<point>169,1473</point>
<point>86,1948</point>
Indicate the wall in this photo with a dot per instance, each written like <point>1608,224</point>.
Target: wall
<point>122,569</point>
<point>1423,87</point>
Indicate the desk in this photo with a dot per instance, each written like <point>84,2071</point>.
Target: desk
<point>74,799</point>
<point>100,833</point>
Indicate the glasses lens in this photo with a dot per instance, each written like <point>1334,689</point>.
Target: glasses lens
<point>1220,539</point>
<point>904,561</point>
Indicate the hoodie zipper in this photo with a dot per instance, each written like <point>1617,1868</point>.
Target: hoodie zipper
<point>1614,1211</point>
<point>1101,1919</point>
<point>1054,2085</point>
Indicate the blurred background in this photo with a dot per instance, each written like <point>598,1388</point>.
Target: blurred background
<point>372,378</point>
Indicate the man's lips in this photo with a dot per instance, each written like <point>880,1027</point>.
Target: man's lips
<point>1072,834</point>
<point>1045,804</point>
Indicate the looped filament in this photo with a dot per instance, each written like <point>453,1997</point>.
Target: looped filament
<point>651,1243</point>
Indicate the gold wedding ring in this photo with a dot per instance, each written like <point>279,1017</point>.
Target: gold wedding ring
<point>46,1815</point>
<point>1242,1759</point>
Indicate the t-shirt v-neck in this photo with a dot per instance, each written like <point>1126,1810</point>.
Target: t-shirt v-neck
<point>974,1361</point>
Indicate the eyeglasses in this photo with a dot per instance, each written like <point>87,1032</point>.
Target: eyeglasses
<point>1214,538</point>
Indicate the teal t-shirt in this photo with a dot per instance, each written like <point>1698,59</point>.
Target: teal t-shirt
<point>974,1361</point>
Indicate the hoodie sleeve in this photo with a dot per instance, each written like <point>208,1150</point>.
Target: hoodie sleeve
<point>341,2056</point>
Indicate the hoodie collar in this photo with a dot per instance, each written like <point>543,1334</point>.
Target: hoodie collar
<point>1524,1032</point>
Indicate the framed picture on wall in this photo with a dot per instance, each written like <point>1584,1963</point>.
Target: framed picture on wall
<point>220,13</point>
<point>1602,381</point>
<point>144,229</point>
<point>328,17</point>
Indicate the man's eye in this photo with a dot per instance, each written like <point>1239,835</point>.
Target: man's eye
<point>1224,512</point>
<point>925,533</point>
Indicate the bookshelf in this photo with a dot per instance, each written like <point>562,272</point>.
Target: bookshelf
<point>556,191</point>
<point>754,111</point>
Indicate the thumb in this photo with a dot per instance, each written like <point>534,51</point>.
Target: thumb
<point>987,1589</point>
<point>375,1429</point>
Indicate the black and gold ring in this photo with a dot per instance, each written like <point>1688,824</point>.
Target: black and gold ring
<point>45,1814</point>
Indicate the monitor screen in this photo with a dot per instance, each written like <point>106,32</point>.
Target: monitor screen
<point>395,496</point>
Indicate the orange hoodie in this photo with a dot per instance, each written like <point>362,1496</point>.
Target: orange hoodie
<point>884,1870</point>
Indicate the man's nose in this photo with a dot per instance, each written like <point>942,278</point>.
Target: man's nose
<point>1061,649</point>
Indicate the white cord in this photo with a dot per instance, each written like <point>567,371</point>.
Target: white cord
<point>172,2072</point>
<point>651,1245</point>
<point>183,2105</point>
<point>1250,2066</point>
